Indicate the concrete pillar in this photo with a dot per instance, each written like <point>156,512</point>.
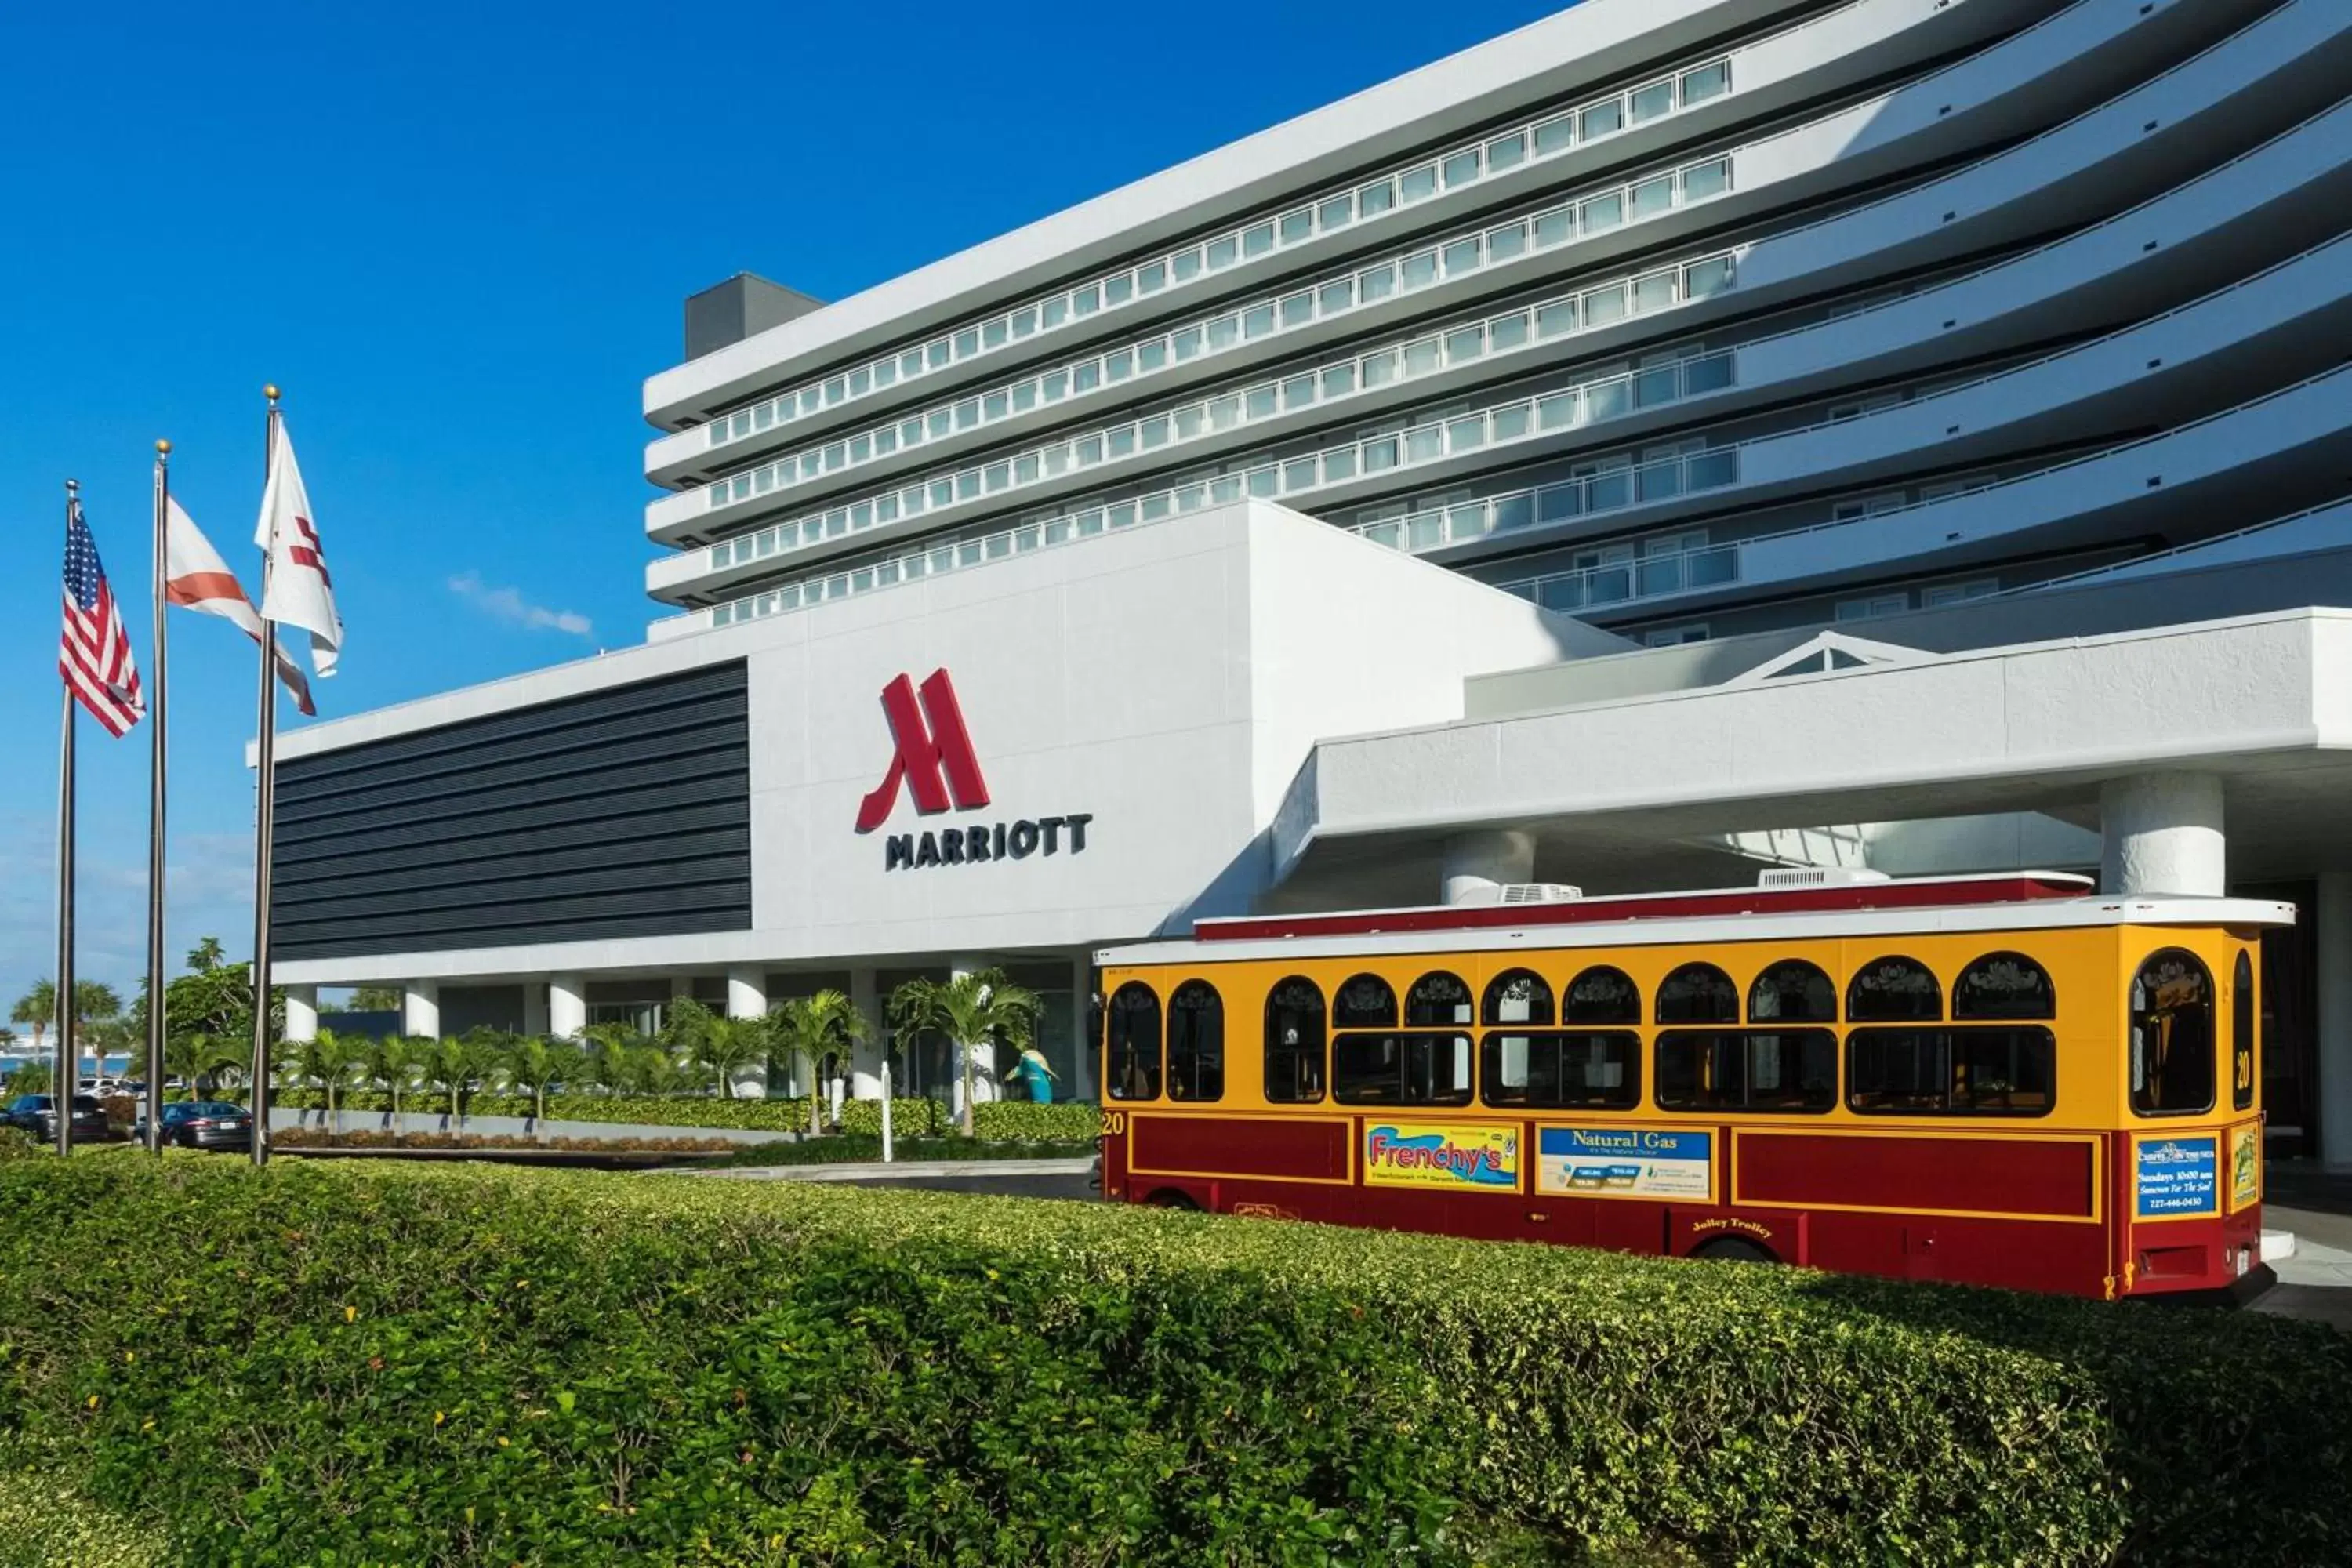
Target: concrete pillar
<point>1081,1085</point>
<point>747,994</point>
<point>420,1009</point>
<point>2161,833</point>
<point>2333,1093</point>
<point>534,1006</point>
<point>301,1014</point>
<point>1476,863</point>
<point>567,1007</point>
<point>866,1057</point>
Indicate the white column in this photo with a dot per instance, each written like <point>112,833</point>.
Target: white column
<point>747,997</point>
<point>2332,1092</point>
<point>1082,1084</point>
<point>866,1057</point>
<point>534,1007</point>
<point>420,1009</point>
<point>301,1013</point>
<point>1475,864</point>
<point>2162,834</point>
<point>567,1007</point>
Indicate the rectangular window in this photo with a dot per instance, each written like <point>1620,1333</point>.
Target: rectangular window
<point>1652,197</point>
<point>1994,1072</point>
<point>1772,1071</point>
<point>1602,213</point>
<point>1401,1070</point>
<point>1602,119</point>
<point>1461,257</point>
<point>1376,198</point>
<point>1707,81</point>
<point>1461,168</point>
<point>1654,99</point>
<point>1597,1071</point>
<point>1419,183</point>
<point>1504,151</point>
<point>1704,180</point>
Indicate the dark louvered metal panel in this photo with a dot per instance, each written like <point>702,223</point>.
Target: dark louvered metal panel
<point>623,813</point>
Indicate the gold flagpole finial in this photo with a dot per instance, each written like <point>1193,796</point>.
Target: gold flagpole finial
<point>162,449</point>
<point>270,392</point>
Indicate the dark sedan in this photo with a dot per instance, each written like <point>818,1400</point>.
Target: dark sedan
<point>207,1124</point>
<point>37,1114</point>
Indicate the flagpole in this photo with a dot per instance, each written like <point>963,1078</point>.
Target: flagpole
<point>265,824</point>
<point>157,757</point>
<point>61,1093</point>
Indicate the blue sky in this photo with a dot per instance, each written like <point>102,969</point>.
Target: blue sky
<point>459,237</point>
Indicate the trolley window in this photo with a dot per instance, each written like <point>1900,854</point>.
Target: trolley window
<point>2004,987</point>
<point>1698,994</point>
<point>2243,1069</point>
<point>1132,1042</point>
<point>1196,1042</point>
<point>1401,1070</point>
<point>1437,1000</point>
<point>1366,1002</point>
<point>1780,1070</point>
<point>1994,1070</point>
<point>2172,1036</point>
<point>1516,996</point>
<point>1293,1042</point>
<point>1589,1070</point>
<point>1602,995</point>
<point>1792,992</point>
<point>1894,990</point>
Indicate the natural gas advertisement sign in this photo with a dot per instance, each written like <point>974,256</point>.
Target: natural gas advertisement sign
<point>1625,1162</point>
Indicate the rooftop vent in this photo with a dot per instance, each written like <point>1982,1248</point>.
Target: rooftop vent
<point>1525,893</point>
<point>1819,877</point>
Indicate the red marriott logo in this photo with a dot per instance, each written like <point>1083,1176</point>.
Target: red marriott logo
<point>934,756</point>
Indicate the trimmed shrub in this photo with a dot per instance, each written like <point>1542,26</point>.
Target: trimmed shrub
<point>462,1365</point>
<point>1073,1120</point>
<point>859,1148</point>
<point>45,1525</point>
<point>908,1117</point>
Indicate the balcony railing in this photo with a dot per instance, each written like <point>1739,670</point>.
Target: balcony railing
<point>1539,141</point>
<point>1513,331</point>
<point>1618,582</point>
<point>1266,320</point>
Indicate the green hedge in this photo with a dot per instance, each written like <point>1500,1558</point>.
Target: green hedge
<point>375,1366</point>
<point>44,1525</point>
<point>908,1117</point>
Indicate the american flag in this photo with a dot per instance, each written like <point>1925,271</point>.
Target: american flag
<point>95,654</point>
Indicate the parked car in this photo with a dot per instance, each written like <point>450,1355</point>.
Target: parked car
<point>37,1114</point>
<point>206,1124</point>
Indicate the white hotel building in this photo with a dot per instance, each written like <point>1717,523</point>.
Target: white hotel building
<point>1679,438</point>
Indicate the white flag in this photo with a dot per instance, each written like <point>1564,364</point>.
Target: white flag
<point>298,593</point>
<point>195,578</point>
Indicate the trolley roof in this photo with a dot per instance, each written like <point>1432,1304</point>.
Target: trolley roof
<point>2030,901</point>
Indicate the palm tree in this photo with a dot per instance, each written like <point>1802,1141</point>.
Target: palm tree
<point>196,1055</point>
<point>207,955</point>
<point>448,1067</point>
<point>973,1011</point>
<point>327,1059</point>
<point>808,1027</point>
<point>39,1007</point>
<point>391,1060</point>
<point>534,1064</point>
<point>726,1045</point>
<point>605,1058</point>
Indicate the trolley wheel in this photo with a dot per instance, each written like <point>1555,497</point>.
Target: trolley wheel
<point>1734,1250</point>
<point>1170,1198</point>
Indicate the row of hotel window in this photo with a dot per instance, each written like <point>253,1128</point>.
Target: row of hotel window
<point>1993,1056</point>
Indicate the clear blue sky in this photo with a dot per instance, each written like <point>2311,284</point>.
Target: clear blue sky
<point>459,236</point>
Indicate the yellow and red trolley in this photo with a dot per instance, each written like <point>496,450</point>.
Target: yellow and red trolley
<point>2007,1081</point>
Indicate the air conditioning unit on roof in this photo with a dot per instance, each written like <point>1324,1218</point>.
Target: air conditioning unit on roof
<point>1819,877</point>
<point>1523,893</point>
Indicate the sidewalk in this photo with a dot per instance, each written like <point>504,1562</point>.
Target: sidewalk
<point>2316,1282</point>
<point>896,1170</point>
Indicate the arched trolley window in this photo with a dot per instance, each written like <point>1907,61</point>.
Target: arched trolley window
<point>1427,1062</point>
<point>2172,1036</point>
<point>1539,1067</point>
<point>1196,1042</point>
<point>1293,1042</point>
<point>1131,1043</point>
